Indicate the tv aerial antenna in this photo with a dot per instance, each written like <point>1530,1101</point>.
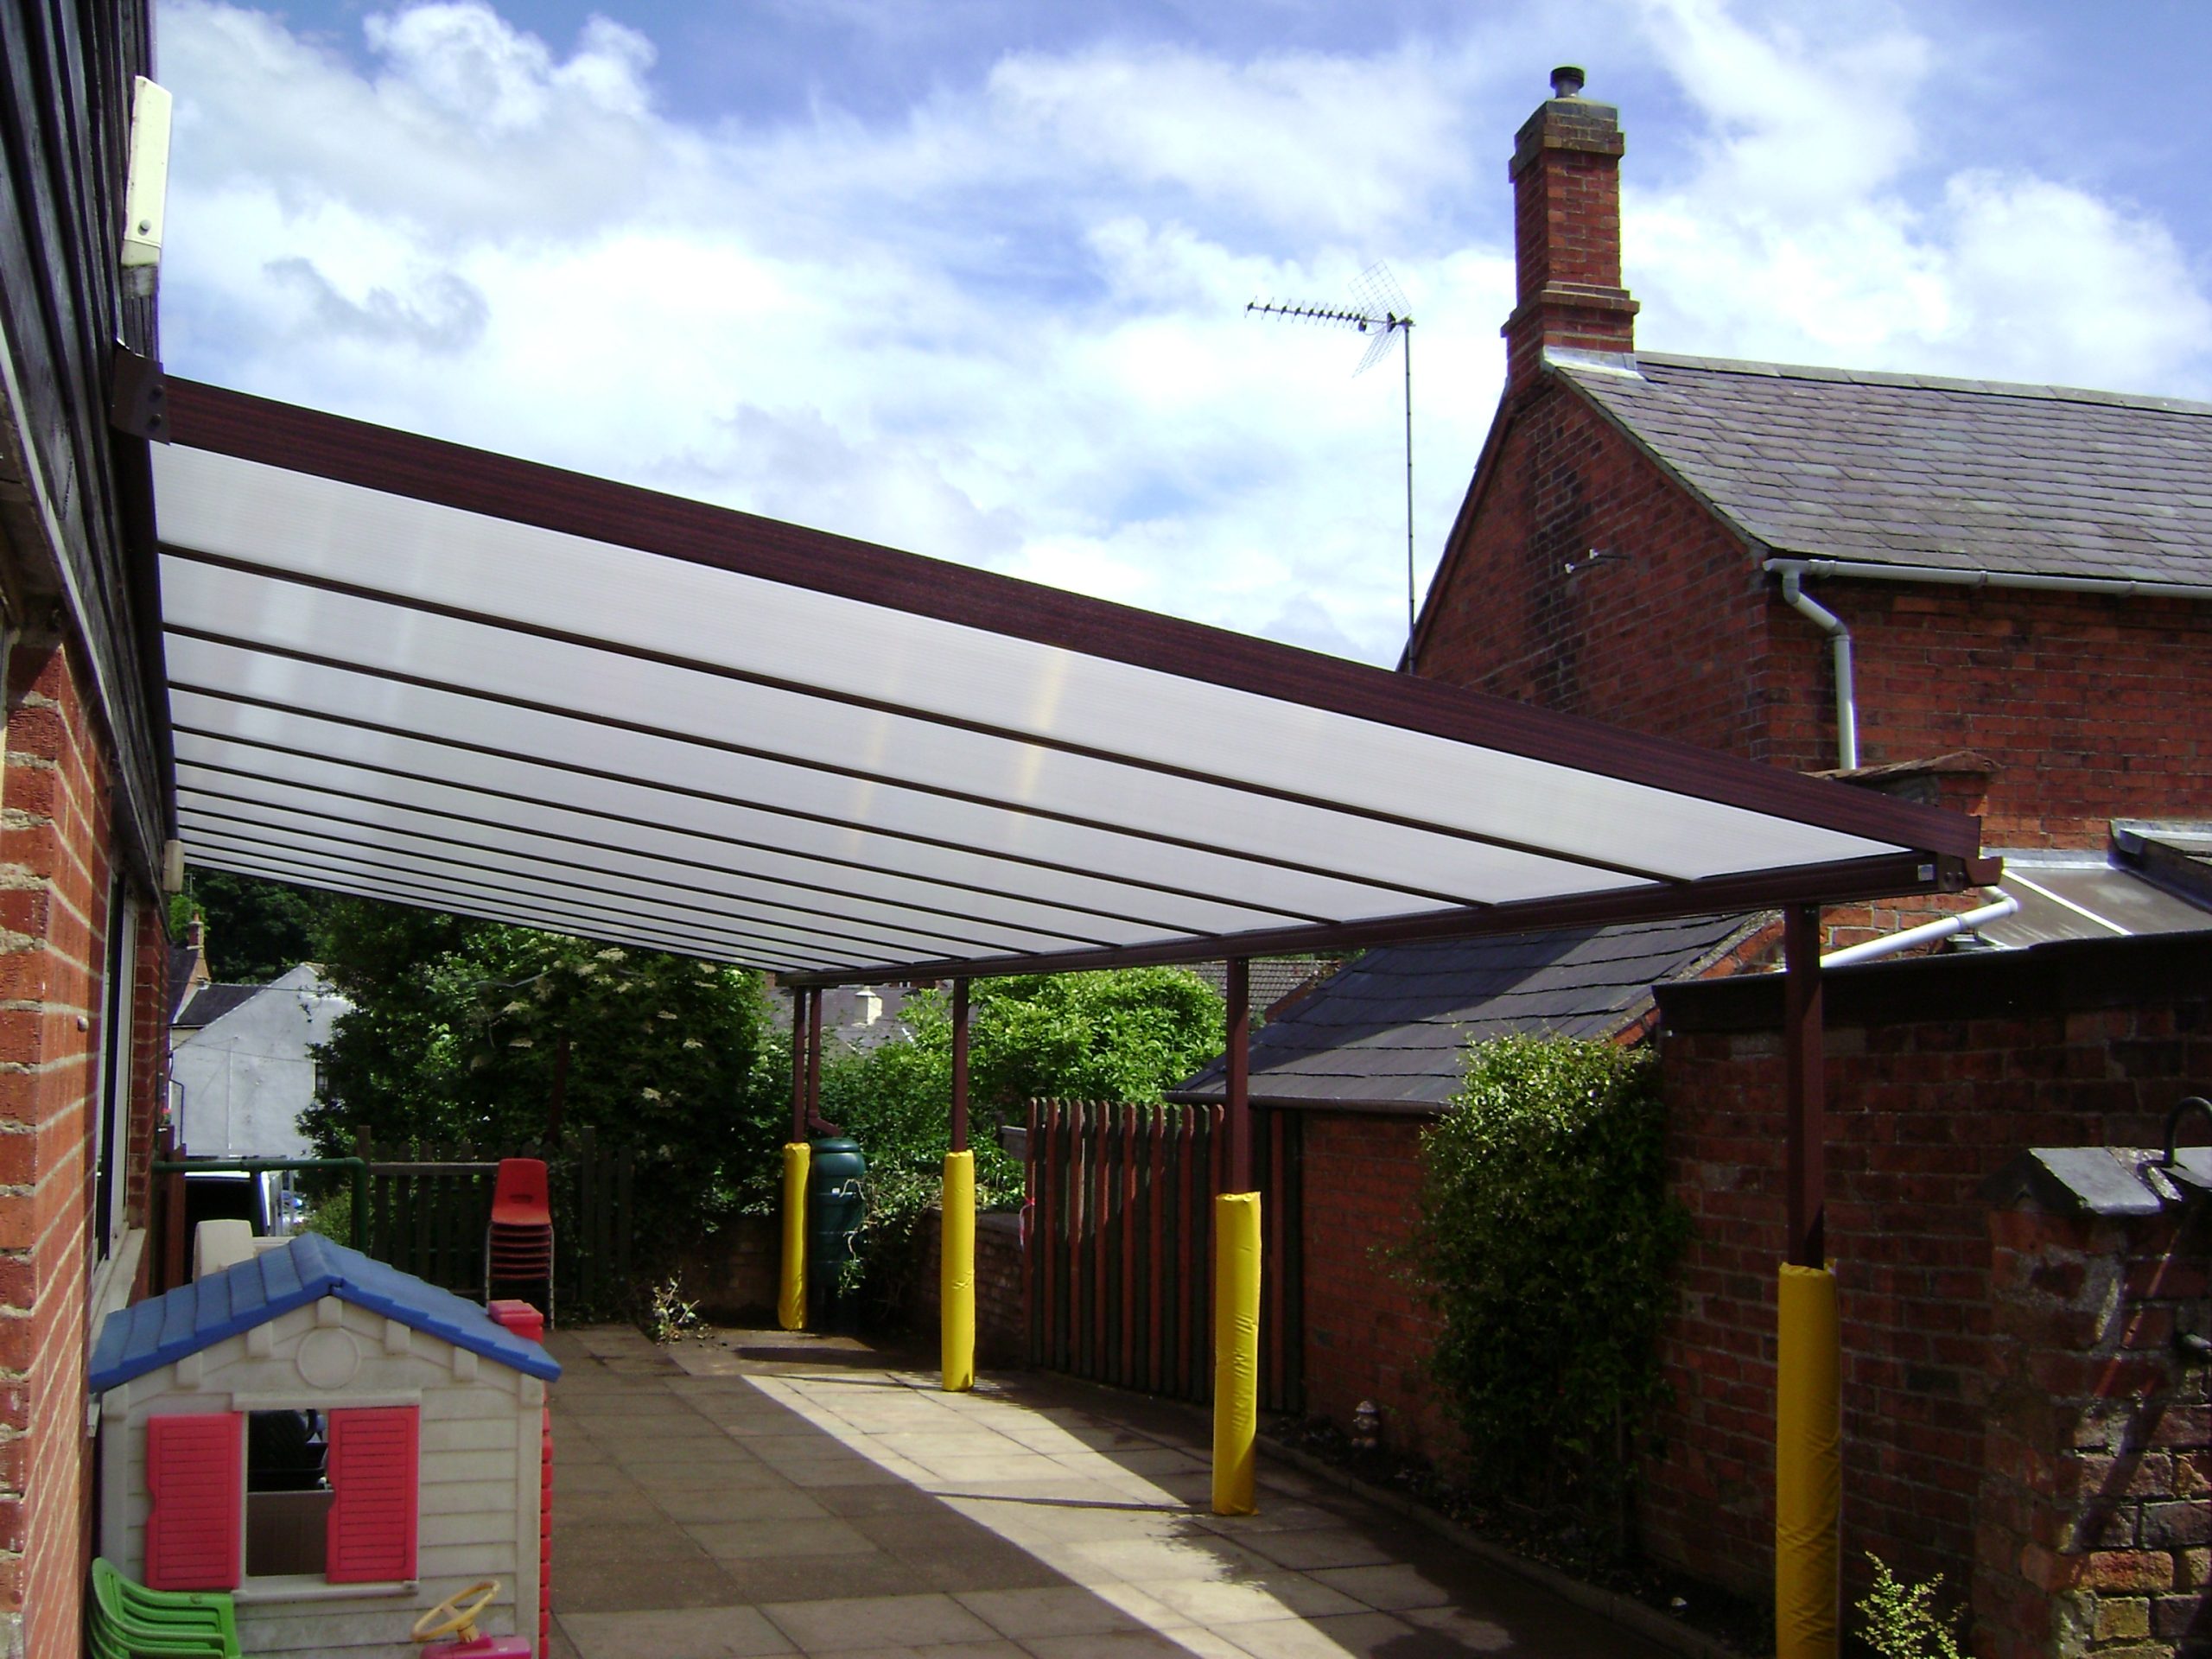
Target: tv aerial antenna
<point>1378,309</point>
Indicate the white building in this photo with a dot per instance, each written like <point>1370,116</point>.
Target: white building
<point>241,1066</point>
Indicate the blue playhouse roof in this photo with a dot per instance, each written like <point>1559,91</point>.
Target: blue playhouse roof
<point>163,1329</point>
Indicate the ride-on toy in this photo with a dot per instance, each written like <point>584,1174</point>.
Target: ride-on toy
<point>452,1618</point>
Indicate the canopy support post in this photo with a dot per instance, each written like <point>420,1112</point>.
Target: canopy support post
<point>1808,1418</point>
<point>790,1289</point>
<point>957,1228</point>
<point>813,1058</point>
<point>1236,1275</point>
<point>959,1065</point>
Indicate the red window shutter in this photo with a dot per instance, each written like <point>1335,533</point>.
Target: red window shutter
<point>195,1475</point>
<point>374,1460</point>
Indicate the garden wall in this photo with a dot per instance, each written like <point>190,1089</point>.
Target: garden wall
<point>2096,1506</point>
<point>1939,1071</point>
<point>1367,1330</point>
<point>1002,1332</point>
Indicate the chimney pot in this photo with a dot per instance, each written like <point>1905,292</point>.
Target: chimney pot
<point>1567,81</point>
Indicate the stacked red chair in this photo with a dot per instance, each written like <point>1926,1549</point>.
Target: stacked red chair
<point>518,1244</point>
<point>529,1323</point>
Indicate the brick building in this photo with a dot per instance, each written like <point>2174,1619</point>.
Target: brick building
<point>2011,618</point>
<point>2014,578</point>
<point>84,810</point>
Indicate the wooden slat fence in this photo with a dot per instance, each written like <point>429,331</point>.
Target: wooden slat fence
<point>1117,1274</point>
<point>430,1204</point>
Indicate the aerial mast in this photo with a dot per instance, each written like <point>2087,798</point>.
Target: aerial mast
<point>1377,309</point>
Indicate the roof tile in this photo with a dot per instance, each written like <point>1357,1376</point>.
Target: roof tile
<point>1916,470</point>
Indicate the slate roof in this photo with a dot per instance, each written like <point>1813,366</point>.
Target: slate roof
<point>1272,977</point>
<point>164,1329</point>
<point>212,1003</point>
<point>1911,470</point>
<point>182,959</point>
<point>1391,1029</point>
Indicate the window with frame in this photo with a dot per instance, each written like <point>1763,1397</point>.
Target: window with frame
<point>330,1494</point>
<point>112,1072</point>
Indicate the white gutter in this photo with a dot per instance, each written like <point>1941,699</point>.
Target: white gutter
<point>1847,704</point>
<point>1868,571</point>
<point>1926,933</point>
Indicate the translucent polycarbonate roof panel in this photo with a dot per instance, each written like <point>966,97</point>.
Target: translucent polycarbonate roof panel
<point>485,684</point>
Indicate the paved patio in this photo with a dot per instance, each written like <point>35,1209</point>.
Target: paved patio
<point>708,1503</point>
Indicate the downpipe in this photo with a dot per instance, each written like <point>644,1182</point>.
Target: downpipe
<point>1846,703</point>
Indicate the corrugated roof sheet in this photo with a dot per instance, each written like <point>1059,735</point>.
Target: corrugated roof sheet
<point>1911,470</point>
<point>439,676</point>
<point>163,1329</point>
<point>1393,1027</point>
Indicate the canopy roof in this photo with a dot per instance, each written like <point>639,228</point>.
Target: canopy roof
<point>410,671</point>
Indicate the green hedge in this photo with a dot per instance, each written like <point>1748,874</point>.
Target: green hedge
<point>1548,1245</point>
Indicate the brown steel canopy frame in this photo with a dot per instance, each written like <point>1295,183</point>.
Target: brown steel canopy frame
<point>411,671</point>
<point>375,718</point>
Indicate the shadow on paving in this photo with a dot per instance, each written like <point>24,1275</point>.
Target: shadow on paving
<point>710,1504</point>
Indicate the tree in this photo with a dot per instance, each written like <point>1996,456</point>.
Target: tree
<point>1126,1035</point>
<point>457,1028</point>
<point>256,930</point>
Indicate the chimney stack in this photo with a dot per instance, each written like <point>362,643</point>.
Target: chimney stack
<point>1566,233</point>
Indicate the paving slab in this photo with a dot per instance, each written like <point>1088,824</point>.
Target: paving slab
<point>752,1497</point>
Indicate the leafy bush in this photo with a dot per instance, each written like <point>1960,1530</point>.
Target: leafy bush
<point>1126,1035</point>
<point>1546,1243</point>
<point>1901,1620</point>
<point>332,1215</point>
<point>670,1314</point>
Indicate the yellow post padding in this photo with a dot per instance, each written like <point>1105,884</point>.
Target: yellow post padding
<point>1808,1468</point>
<point>957,1273</point>
<point>1236,1351</point>
<point>791,1299</point>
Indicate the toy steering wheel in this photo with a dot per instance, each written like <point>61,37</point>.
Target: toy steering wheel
<point>457,1620</point>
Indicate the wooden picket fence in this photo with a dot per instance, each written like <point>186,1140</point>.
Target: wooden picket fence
<point>1117,1271</point>
<point>430,1204</point>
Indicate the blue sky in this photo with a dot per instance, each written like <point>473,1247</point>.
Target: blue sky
<point>967,278</point>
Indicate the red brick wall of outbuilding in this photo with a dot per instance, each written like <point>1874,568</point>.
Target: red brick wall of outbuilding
<point>1368,1331</point>
<point>1939,1073</point>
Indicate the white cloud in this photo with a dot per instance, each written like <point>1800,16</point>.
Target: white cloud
<point>1345,145</point>
<point>1005,326</point>
<point>1808,231</point>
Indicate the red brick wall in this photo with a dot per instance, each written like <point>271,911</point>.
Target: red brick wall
<point>2093,1509</point>
<point>1001,1337</point>
<point>53,903</point>
<point>2072,1044</point>
<point>1366,1331</point>
<point>1669,639</point>
<point>2093,707</point>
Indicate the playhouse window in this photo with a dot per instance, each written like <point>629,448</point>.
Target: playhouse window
<point>325,1494</point>
<point>288,1495</point>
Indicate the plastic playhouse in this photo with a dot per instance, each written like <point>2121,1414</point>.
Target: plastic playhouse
<point>344,1449</point>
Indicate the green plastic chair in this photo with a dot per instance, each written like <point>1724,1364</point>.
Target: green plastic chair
<point>125,1618</point>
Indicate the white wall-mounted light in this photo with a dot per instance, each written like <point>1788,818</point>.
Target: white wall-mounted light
<point>147,199</point>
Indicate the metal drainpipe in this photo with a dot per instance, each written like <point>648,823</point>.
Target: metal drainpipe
<point>1927,933</point>
<point>1847,704</point>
